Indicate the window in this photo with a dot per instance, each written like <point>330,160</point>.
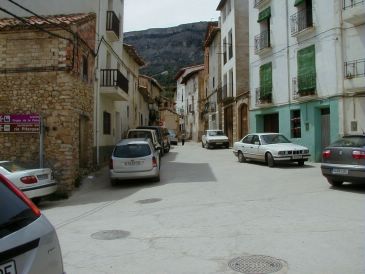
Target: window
<point>266,81</point>
<point>247,139</point>
<point>262,40</point>
<point>224,51</point>
<point>295,124</point>
<point>85,67</point>
<point>213,82</point>
<point>230,83</point>
<point>228,7</point>
<point>230,47</point>
<point>106,123</point>
<point>306,70</point>
<point>127,111</point>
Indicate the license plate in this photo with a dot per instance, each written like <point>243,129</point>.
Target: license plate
<point>133,163</point>
<point>297,156</point>
<point>42,177</point>
<point>340,171</point>
<point>218,143</point>
<point>8,268</point>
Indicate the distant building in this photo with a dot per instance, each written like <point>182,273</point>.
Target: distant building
<point>234,92</point>
<point>212,78</point>
<point>307,69</point>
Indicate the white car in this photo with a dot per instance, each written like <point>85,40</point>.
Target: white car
<point>214,138</point>
<point>270,148</point>
<point>134,159</point>
<point>35,183</point>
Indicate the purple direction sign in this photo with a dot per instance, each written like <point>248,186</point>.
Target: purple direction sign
<point>19,123</point>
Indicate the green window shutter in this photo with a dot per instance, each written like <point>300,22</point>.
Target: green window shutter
<point>298,2</point>
<point>265,14</point>
<point>266,79</point>
<point>306,69</point>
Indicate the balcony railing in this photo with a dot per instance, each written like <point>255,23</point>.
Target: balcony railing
<point>263,95</point>
<point>262,41</point>
<point>354,69</point>
<point>348,4</point>
<point>300,21</point>
<point>113,78</point>
<point>113,24</point>
<point>304,85</point>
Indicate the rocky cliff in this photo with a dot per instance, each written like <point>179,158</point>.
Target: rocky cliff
<point>169,49</point>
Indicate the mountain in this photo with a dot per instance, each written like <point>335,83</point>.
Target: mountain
<point>169,49</point>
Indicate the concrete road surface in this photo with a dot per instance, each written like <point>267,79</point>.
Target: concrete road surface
<point>212,214</point>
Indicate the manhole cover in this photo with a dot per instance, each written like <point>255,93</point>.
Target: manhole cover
<point>256,264</point>
<point>149,201</point>
<point>110,234</point>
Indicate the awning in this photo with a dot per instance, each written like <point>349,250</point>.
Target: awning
<point>298,2</point>
<point>265,14</point>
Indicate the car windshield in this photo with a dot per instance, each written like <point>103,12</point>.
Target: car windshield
<point>274,139</point>
<point>132,151</point>
<point>12,166</point>
<point>350,141</point>
<point>216,133</point>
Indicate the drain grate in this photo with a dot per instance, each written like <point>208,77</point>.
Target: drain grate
<point>149,201</point>
<point>256,264</point>
<point>110,235</point>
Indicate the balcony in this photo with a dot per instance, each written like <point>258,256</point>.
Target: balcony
<point>114,85</point>
<point>112,26</point>
<point>262,42</point>
<point>354,75</point>
<point>354,11</point>
<point>301,22</point>
<point>304,86</point>
<point>260,3</point>
<point>263,95</point>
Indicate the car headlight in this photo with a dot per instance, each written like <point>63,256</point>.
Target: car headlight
<point>281,152</point>
<point>306,151</point>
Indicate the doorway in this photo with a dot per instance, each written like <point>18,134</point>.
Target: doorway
<point>243,118</point>
<point>271,122</point>
<point>325,128</point>
<point>83,142</point>
<point>228,123</point>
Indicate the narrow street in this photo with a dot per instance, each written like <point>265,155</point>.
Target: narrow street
<point>207,210</point>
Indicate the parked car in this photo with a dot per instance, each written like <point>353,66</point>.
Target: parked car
<point>162,136</point>
<point>344,160</point>
<point>145,133</point>
<point>28,241</point>
<point>172,137</point>
<point>35,183</point>
<point>270,148</point>
<point>134,159</point>
<point>214,138</point>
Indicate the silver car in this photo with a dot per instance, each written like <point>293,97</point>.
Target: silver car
<point>271,148</point>
<point>344,160</point>
<point>35,183</point>
<point>28,241</point>
<point>134,159</point>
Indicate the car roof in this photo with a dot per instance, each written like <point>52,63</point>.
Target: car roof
<point>134,141</point>
<point>142,129</point>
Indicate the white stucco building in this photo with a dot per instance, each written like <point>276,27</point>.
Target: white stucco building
<point>307,69</point>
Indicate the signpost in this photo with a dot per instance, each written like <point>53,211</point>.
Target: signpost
<point>24,123</point>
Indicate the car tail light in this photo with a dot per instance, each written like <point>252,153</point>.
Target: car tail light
<point>358,155</point>
<point>326,154</point>
<point>21,195</point>
<point>28,180</point>
<point>154,161</point>
<point>111,164</point>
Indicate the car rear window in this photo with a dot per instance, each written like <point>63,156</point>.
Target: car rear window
<point>132,151</point>
<point>216,133</point>
<point>350,141</point>
<point>14,213</point>
<point>12,166</point>
<point>139,134</point>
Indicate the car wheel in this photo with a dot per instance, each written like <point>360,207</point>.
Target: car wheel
<point>334,182</point>
<point>301,163</point>
<point>113,182</point>
<point>206,145</point>
<point>157,179</point>
<point>270,160</point>
<point>241,157</point>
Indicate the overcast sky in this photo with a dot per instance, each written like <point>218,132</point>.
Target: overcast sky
<point>146,14</point>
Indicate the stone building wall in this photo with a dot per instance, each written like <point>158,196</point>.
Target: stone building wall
<point>37,77</point>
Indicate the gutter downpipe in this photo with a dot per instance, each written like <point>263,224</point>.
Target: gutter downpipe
<point>342,72</point>
<point>97,97</point>
<point>287,52</point>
